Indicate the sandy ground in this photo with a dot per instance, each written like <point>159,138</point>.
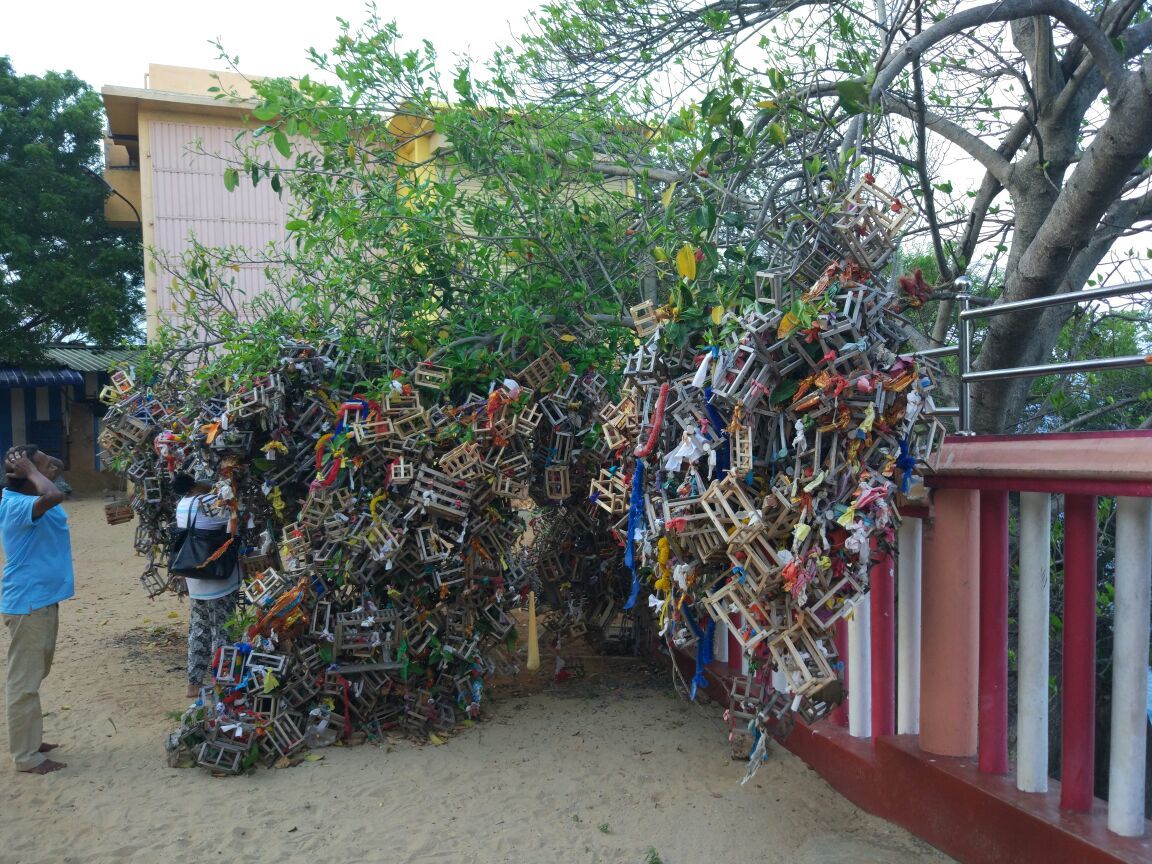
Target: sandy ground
<point>613,767</point>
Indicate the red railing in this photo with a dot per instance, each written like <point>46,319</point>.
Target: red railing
<point>937,764</point>
<point>1081,467</point>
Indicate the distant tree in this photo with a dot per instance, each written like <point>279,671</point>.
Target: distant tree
<point>64,273</point>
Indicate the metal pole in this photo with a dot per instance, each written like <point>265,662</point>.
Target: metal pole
<point>964,416</point>
<point>1128,362</point>
<point>942,351</point>
<point>1086,296</point>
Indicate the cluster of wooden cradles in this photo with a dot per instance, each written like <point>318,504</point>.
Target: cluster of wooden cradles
<point>380,535</point>
<point>781,454</point>
<point>379,532</point>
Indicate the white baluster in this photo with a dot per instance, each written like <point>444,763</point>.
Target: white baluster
<point>1126,777</point>
<point>860,671</point>
<point>1032,655</point>
<point>908,627</point>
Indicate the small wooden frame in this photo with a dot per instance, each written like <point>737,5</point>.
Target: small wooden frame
<point>740,439</point>
<point>869,223</point>
<point>283,733</point>
<point>537,373</point>
<point>610,492</point>
<point>745,380</point>
<point>117,508</point>
<point>440,494</point>
<point>735,606</point>
<point>229,666</point>
<point>398,403</point>
<point>431,376</point>
<point>557,485</point>
<point>463,462</point>
<point>222,756</point>
<point>411,425</point>
<point>735,517</point>
<point>374,432</point>
<point>560,447</point>
<point>645,319</point>
<point>797,655</point>
<point>528,419</point>
<point>431,544</point>
<point>122,381</point>
<point>263,589</point>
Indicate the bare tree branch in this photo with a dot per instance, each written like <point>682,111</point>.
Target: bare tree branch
<point>1110,63</point>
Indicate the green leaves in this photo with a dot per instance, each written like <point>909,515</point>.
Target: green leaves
<point>462,84</point>
<point>854,96</point>
<point>231,178</point>
<point>280,142</point>
<point>715,19</point>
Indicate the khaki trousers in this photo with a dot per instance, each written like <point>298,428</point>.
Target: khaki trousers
<point>31,646</point>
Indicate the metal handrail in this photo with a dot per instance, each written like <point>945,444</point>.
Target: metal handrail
<point>963,411</point>
<point>1060,299</point>
<point>1072,366</point>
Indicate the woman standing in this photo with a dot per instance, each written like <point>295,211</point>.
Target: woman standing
<point>212,600</point>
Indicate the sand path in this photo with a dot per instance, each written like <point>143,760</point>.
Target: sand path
<point>611,768</point>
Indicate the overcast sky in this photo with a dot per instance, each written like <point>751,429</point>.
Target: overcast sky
<point>113,43</point>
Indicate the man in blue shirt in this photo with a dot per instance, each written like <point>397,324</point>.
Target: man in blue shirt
<point>37,576</point>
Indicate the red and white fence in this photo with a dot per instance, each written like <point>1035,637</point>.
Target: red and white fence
<point>927,737</point>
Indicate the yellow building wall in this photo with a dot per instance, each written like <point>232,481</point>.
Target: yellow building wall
<point>196,82</point>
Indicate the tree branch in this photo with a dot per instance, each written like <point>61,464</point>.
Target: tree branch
<point>1110,63</point>
<point>989,157</point>
<point>1097,412</point>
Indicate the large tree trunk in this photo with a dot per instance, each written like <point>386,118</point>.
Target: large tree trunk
<point>1061,228</point>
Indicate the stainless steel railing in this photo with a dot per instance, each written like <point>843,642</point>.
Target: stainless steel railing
<point>962,350</point>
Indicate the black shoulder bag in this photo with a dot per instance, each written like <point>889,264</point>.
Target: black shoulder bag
<point>201,553</point>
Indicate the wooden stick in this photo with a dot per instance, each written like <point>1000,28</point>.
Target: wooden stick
<point>533,639</point>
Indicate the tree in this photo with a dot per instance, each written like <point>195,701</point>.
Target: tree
<point>443,219</point>
<point>64,273</point>
<point>1052,98</point>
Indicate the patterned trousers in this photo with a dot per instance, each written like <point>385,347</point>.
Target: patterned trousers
<point>206,633</point>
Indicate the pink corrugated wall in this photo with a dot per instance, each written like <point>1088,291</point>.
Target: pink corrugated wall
<point>189,200</point>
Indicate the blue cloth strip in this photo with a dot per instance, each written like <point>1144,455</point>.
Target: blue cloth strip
<point>723,455</point>
<point>635,515</point>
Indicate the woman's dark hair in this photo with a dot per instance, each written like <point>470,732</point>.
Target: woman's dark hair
<point>182,484</point>
<point>15,483</point>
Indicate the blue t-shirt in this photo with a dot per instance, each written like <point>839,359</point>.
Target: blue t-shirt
<point>38,553</point>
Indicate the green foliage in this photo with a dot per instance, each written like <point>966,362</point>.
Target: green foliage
<point>1110,399</point>
<point>466,224</point>
<point>451,223</point>
<point>64,273</point>
<point>238,623</point>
